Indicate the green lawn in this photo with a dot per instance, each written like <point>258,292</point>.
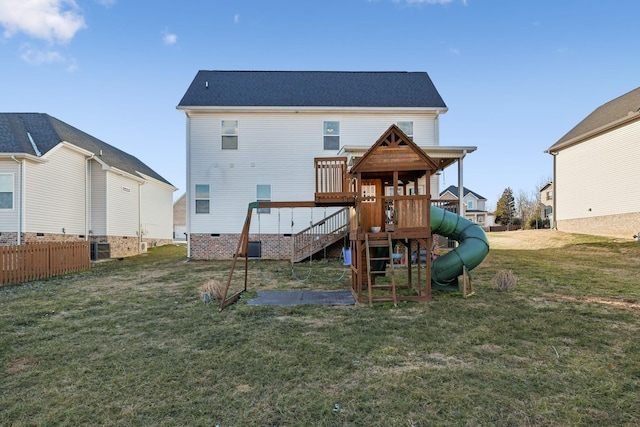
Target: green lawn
<point>131,343</point>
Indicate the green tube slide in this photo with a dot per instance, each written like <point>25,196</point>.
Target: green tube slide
<point>472,249</point>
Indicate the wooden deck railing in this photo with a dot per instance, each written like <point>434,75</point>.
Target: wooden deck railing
<point>36,261</point>
<point>320,235</point>
<point>332,182</point>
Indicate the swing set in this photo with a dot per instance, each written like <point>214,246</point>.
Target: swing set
<point>375,222</point>
<point>294,274</point>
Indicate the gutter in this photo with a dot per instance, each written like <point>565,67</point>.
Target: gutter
<point>306,109</point>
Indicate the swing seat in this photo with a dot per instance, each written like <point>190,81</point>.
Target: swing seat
<point>346,255</point>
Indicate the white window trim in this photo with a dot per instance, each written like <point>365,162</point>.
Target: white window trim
<point>196,199</point>
<point>13,191</point>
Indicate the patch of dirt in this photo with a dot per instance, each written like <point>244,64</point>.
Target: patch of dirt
<point>21,364</point>
<point>529,239</point>
<point>632,305</point>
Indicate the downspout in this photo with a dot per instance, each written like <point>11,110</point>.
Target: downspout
<point>140,184</point>
<point>461,185</point>
<point>188,183</point>
<point>554,213</point>
<point>87,198</point>
<point>21,204</point>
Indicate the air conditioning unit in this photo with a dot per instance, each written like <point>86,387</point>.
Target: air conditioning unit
<point>143,247</point>
<point>100,250</point>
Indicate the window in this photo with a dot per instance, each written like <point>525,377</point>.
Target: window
<point>6,191</point>
<point>263,194</point>
<point>420,190</point>
<point>549,195</point>
<point>389,191</point>
<point>331,135</point>
<point>470,204</point>
<point>480,219</point>
<point>229,134</point>
<point>368,193</point>
<point>407,128</point>
<point>202,198</point>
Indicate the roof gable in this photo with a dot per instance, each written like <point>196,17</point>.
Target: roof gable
<point>312,89</point>
<point>394,151</point>
<point>46,132</point>
<point>453,190</point>
<point>609,114</point>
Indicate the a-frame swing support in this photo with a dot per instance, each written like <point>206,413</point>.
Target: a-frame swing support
<point>242,250</point>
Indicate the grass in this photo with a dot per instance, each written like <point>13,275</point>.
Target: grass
<point>131,343</point>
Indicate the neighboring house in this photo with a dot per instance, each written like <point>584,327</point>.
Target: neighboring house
<point>58,183</point>
<point>599,154</point>
<point>474,205</point>
<point>254,135</point>
<point>546,203</point>
<point>180,219</point>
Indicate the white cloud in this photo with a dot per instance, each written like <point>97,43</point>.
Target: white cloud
<point>40,57</point>
<point>51,20</point>
<point>236,18</point>
<point>454,51</point>
<point>169,38</point>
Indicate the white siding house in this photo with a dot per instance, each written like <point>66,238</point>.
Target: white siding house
<point>597,158</point>
<point>253,135</point>
<point>474,205</point>
<point>67,185</point>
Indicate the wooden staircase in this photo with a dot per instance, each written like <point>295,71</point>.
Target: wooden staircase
<point>376,243</point>
<point>320,235</point>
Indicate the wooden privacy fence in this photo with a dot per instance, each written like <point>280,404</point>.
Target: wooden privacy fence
<point>35,261</point>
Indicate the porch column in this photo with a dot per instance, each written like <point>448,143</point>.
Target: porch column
<point>461,184</point>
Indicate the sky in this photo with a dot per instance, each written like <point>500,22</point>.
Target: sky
<point>516,75</point>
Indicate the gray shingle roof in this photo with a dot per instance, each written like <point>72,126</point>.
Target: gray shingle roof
<point>312,89</point>
<point>47,132</point>
<point>602,116</point>
<point>453,189</point>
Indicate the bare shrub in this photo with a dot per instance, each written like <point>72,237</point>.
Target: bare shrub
<point>505,280</point>
<point>211,290</point>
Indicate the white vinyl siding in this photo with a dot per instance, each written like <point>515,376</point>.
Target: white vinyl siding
<point>280,146</point>
<point>156,219</point>
<point>588,171</point>
<point>98,215</point>
<point>122,206</point>
<point>55,193</point>
<point>10,218</point>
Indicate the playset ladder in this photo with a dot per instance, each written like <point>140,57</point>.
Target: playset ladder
<point>379,240</point>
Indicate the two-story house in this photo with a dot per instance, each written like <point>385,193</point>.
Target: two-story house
<point>254,135</point>
<point>474,205</point>
<point>597,155</point>
<point>58,183</point>
<point>546,203</point>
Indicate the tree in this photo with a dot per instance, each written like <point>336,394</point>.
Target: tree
<point>527,206</point>
<point>505,208</point>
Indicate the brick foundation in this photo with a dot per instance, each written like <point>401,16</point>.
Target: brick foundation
<point>623,226</point>
<point>223,246</point>
<point>119,246</point>
<point>124,246</point>
<point>8,238</point>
